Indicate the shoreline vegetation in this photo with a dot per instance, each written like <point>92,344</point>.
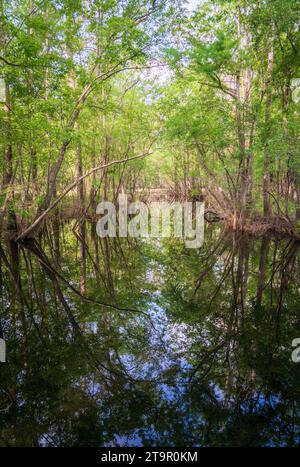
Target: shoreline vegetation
<point>13,227</point>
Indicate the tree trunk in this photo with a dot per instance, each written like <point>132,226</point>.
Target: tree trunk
<point>266,181</point>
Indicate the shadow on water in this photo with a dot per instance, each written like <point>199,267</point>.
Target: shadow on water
<point>148,343</point>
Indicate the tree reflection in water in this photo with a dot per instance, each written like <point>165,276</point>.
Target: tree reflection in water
<point>155,345</point>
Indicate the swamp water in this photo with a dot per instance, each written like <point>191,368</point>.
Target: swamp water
<point>194,350</point>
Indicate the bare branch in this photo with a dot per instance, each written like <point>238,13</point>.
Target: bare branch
<point>70,187</point>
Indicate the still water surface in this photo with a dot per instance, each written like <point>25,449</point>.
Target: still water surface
<point>194,350</point>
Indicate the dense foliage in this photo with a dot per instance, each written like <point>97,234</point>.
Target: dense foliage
<point>212,94</point>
